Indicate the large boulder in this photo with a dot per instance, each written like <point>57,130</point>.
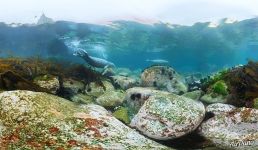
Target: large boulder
<point>166,116</point>
<point>236,129</point>
<point>35,120</point>
<point>163,78</point>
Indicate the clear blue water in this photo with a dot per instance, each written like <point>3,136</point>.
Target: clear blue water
<point>196,48</point>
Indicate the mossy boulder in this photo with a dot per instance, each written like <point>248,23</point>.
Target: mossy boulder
<point>256,103</point>
<point>166,116</point>
<point>111,98</point>
<point>163,78</point>
<point>35,120</point>
<point>121,113</point>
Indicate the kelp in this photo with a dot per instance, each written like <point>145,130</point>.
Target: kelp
<point>18,73</point>
<point>243,84</point>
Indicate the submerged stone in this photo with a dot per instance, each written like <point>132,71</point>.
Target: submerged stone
<point>211,98</point>
<point>195,95</point>
<point>166,116</point>
<point>218,108</point>
<point>163,78</point>
<point>48,82</point>
<point>35,120</point>
<point>122,114</point>
<point>233,130</point>
<point>111,98</point>
<point>124,82</point>
<point>96,89</point>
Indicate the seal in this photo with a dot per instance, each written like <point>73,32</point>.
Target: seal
<point>93,61</point>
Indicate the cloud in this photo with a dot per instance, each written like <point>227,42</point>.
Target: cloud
<point>96,11</point>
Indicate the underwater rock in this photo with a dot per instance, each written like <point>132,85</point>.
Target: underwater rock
<point>216,93</point>
<point>233,130</point>
<point>48,82</point>
<point>218,108</point>
<point>136,96</point>
<point>195,95</point>
<point>111,98</point>
<point>96,89</point>
<point>166,116</point>
<point>213,98</point>
<point>163,78</point>
<point>12,81</point>
<point>256,103</point>
<point>35,120</point>
<point>121,114</point>
<point>74,91</point>
<point>124,82</point>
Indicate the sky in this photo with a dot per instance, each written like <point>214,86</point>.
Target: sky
<point>184,12</point>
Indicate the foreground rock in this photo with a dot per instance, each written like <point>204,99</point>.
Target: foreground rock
<point>233,130</point>
<point>166,116</point>
<point>163,78</point>
<point>34,120</point>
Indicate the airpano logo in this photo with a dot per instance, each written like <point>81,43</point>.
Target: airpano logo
<point>242,143</point>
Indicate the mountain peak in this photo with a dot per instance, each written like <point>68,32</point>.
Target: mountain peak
<point>44,20</point>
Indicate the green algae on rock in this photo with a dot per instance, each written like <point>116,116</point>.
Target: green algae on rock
<point>121,113</point>
<point>220,87</point>
<point>166,116</point>
<point>35,120</point>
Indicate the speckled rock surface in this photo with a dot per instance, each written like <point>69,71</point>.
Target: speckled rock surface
<point>74,91</point>
<point>96,89</point>
<point>34,120</point>
<point>167,116</point>
<point>136,96</point>
<point>111,98</point>
<point>163,78</point>
<point>211,98</point>
<point>218,108</point>
<point>124,82</point>
<point>48,82</point>
<point>72,86</point>
<point>237,129</point>
<point>195,95</point>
